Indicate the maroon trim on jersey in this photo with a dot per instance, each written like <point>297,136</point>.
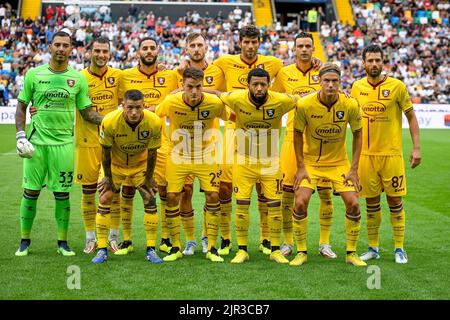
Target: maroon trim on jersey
<point>205,66</point>
<point>193,107</point>
<point>374,86</point>
<point>96,75</point>
<point>249,64</point>
<point>303,72</point>
<point>324,104</point>
<point>146,74</point>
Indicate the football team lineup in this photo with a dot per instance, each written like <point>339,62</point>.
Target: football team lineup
<point>121,150</point>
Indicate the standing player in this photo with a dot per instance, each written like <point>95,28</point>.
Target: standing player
<point>214,79</point>
<point>155,85</point>
<point>103,83</point>
<point>383,99</point>
<point>258,122</point>
<point>192,115</point>
<point>320,127</point>
<point>300,78</point>
<point>236,69</point>
<point>129,139</point>
<point>55,89</point>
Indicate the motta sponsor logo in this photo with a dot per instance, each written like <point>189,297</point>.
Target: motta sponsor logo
<point>243,79</point>
<point>189,125</point>
<point>101,97</point>
<point>302,90</point>
<point>57,94</point>
<point>374,108</point>
<point>152,94</point>
<point>257,125</point>
<point>328,130</point>
<point>133,147</point>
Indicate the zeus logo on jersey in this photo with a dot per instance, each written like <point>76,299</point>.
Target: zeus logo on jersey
<point>70,82</point>
<point>209,80</point>
<point>205,114</point>
<point>145,134</point>
<point>161,81</point>
<point>111,80</point>
<point>315,78</point>
<point>270,112</point>
<point>386,93</point>
<point>340,115</point>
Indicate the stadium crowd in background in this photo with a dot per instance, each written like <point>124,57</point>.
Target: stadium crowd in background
<point>413,34</point>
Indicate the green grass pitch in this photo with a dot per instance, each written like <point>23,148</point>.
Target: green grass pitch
<point>43,274</point>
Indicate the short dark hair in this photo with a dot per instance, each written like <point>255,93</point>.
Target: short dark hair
<point>372,48</point>
<point>101,40</point>
<point>193,73</point>
<point>194,35</point>
<point>61,34</point>
<point>145,39</point>
<point>303,35</point>
<point>258,72</point>
<point>249,31</point>
<point>134,95</point>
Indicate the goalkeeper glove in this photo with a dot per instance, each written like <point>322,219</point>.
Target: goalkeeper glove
<point>24,148</point>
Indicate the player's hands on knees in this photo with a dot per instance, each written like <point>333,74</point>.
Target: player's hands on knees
<point>105,185</point>
<point>33,111</point>
<point>415,158</point>
<point>148,191</point>
<point>24,147</point>
<point>352,176</point>
<point>299,176</point>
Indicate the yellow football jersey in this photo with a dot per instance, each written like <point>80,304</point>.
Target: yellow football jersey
<point>324,128</point>
<point>261,125</point>
<point>214,78</point>
<point>236,70</point>
<point>382,105</point>
<point>292,80</point>
<point>104,94</point>
<point>155,87</point>
<point>130,143</point>
<point>189,124</point>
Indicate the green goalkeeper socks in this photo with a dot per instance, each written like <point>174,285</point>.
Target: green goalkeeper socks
<point>27,214</point>
<point>62,214</point>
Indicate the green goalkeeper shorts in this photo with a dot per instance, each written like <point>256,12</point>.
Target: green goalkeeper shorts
<point>56,163</point>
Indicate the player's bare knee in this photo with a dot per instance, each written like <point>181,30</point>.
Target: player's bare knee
<point>300,204</point>
<point>352,206</point>
<point>106,197</point>
<point>212,197</point>
<point>187,193</point>
<point>393,201</point>
<point>173,198</point>
<point>162,190</point>
<point>373,200</point>
<point>225,190</point>
<point>128,191</point>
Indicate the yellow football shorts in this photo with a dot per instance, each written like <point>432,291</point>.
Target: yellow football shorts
<point>382,173</point>
<point>289,164</point>
<point>129,176</point>
<point>178,173</point>
<point>88,164</point>
<point>332,175</point>
<point>246,175</point>
<point>160,168</point>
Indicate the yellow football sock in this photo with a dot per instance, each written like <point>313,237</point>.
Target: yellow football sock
<point>300,225</point>
<point>165,232</point>
<point>204,228</point>
<point>103,221</point>
<point>226,208</point>
<point>275,223</point>
<point>187,218</point>
<point>115,211</point>
<point>263,219</point>
<point>325,215</point>
<point>287,203</point>
<point>241,222</point>
<point>173,222</point>
<point>373,224</point>
<point>151,225</point>
<point>88,208</point>
<point>126,214</point>
<point>398,224</point>
<point>352,227</point>
<point>212,223</point>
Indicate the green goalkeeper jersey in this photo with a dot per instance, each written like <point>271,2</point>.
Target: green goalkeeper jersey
<point>56,95</point>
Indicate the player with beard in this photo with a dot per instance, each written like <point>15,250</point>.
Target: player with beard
<point>155,86</point>
<point>213,79</point>
<point>258,123</point>
<point>382,100</point>
<point>103,82</point>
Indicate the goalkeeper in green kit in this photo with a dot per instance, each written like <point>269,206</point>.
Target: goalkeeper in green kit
<point>56,90</point>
